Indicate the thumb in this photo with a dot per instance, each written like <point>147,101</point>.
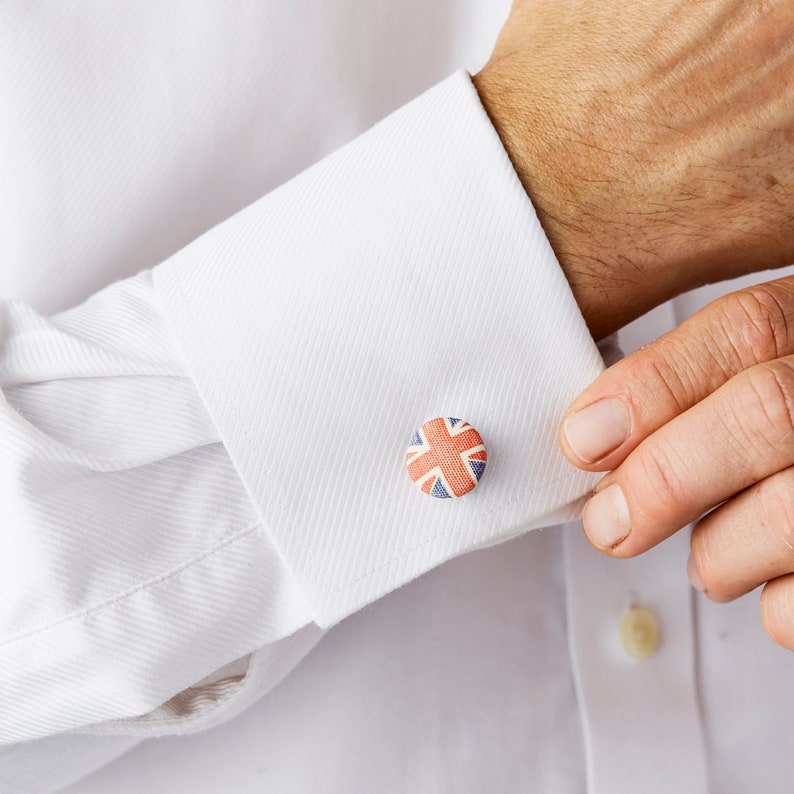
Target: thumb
<point>647,389</point>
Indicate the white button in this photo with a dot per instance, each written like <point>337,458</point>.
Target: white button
<point>639,632</point>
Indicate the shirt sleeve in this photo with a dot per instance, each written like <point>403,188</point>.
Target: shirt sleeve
<point>132,561</point>
<point>206,460</point>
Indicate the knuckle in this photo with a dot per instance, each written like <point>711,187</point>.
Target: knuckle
<point>755,322</point>
<point>662,382</point>
<point>659,473</point>
<point>776,495</point>
<point>770,405</point>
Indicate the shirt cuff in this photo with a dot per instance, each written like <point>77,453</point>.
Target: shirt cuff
<point>404,277</point>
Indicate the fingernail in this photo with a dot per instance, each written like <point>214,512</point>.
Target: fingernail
<point>694,576</point>
<point>598,429</point>
<point>606,518</point>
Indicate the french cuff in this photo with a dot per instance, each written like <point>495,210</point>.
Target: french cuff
<point>404,277</point>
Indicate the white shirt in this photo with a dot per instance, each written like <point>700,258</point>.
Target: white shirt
<point>206,517</point>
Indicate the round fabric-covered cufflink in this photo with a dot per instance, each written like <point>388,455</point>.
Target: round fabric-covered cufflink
<point>446,457</point>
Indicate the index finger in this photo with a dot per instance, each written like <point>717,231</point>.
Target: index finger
<point>645,390</point>
<point>736,437</point>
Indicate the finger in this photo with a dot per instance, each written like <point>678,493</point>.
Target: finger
<point>777,610</point>
<point>737,436</point>
<point>645,390</point>
<point>747,541</point>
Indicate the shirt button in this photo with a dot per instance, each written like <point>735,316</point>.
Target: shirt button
<point>446,457</point>
<point>639,632</point>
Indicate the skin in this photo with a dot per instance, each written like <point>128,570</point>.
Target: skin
<point>711,408</point>
<point>656,141</point>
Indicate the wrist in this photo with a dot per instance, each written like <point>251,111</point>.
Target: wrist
<point>655,164</point>
<point>614,247</point>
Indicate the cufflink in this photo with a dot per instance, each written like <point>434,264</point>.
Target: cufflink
<point>446,457</point>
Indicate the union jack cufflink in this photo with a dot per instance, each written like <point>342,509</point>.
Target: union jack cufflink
<point>446,457</point>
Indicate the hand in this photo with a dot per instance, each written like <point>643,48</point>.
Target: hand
<point>656,141</point>
<point>702,419</point>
